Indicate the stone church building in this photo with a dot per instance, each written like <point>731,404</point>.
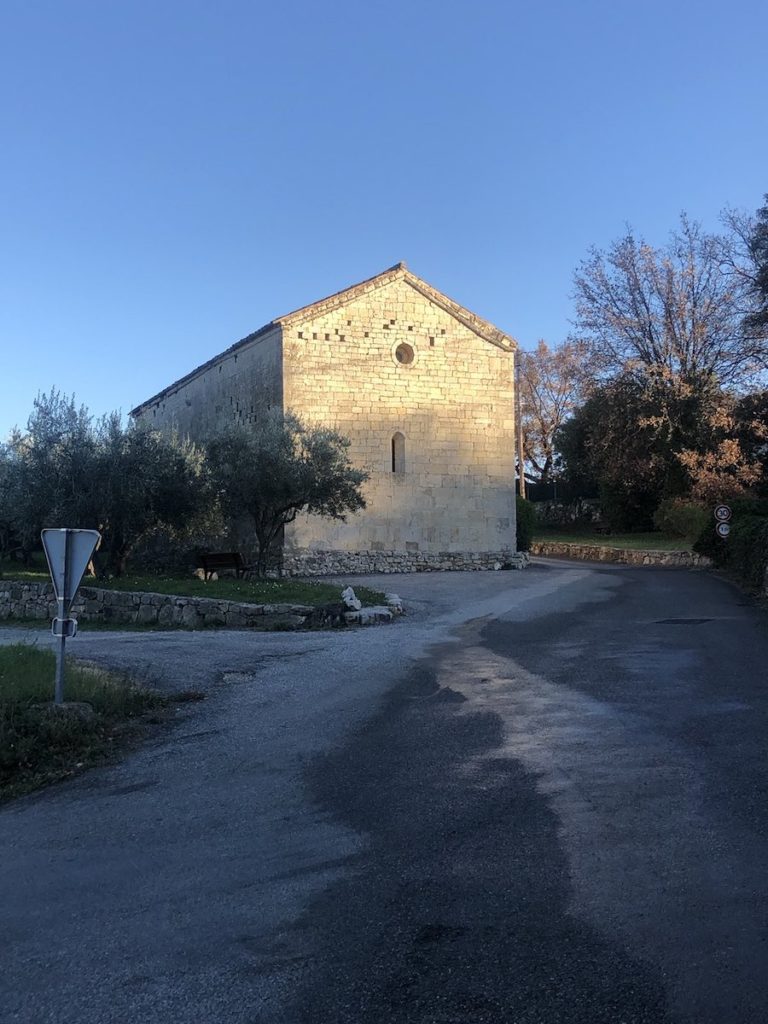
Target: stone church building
<point>423,388</point>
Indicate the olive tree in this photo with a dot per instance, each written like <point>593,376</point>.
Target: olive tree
<point>68,469</point>
<point>275,469</point>
<point>143,480</point>
<point>10,541</point>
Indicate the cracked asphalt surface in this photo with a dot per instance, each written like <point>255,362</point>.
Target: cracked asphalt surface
<point>539,798</point>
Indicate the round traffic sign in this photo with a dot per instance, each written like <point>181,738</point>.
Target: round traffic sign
<point>723,529</point>
<point>723,513</point>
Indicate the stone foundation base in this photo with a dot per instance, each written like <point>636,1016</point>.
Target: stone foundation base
<point>335,563</point>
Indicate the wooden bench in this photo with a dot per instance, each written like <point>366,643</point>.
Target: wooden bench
<point>223,560</point>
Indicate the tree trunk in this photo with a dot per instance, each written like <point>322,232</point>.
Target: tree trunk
<point>262,557</point>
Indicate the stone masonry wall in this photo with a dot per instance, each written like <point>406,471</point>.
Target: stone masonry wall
<point>235,388</point>
<point>623,556</point>
<point>36,601</point>
<point>454,404</point>
<point>335,563</point>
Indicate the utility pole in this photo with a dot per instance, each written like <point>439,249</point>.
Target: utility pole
<point>519,430</point>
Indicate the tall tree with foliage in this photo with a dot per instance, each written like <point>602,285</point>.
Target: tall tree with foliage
<point>51,464</point>
<point>142,481</point>
<point>656,436</point>
<point>550,382</point>
<point>68,469</point>
<point>10,541</point>
<point>279,467</point>
<point>678,309</point>
<point>757,320</point>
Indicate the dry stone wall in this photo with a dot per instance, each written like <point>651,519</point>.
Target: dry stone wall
<point>623,556</point>
<point>335,563</point>
<point>36,601</point>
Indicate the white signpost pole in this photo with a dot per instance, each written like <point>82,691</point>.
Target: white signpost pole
<point>68,553</point>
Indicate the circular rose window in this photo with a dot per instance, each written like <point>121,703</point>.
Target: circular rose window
<point>404,354</point>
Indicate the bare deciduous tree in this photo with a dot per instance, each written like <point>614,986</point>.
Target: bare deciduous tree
<point>550,381</point>
<point>747,260</point>
<point>680,308</point>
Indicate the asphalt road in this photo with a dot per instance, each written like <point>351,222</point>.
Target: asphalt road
<point>540,798</point>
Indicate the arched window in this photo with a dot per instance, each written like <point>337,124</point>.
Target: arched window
<point>398,453</point>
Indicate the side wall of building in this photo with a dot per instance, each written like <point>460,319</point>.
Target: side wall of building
<point>436,434</point>
<point>235,388</point>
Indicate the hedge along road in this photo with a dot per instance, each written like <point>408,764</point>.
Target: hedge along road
<point>540,797</point>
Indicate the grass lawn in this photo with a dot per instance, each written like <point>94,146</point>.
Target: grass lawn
<point>633,541</point>
<point>38,745</point>
<point>287,591</point>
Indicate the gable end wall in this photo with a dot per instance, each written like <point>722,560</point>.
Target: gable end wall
<point>454,405</point>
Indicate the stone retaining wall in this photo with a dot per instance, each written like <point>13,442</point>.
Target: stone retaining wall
<point>335,563</point>
<point>623,556</point>
<point>24,600</point>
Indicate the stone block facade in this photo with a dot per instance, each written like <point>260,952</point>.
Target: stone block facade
<point>233,388</point>
<point>424,390</point>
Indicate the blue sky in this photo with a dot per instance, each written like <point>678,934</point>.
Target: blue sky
<point>175,173</point>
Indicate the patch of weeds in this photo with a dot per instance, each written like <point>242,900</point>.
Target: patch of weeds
<point>40,744</point>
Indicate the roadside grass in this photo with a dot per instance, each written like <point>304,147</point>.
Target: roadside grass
<point>35,571</point>
<point>39,745</point>
<point>290,591</point>
<point>632,541</point>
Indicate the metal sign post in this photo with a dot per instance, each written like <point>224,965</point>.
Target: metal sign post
<point>68,553</point>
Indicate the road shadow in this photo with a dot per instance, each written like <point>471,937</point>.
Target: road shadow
<point>457,913</point>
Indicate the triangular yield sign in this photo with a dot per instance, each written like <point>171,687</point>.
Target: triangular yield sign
<point>68,553</point>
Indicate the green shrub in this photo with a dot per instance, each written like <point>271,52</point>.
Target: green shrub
<point>709,544</point>
<point>745,551</point>
<point>526,518</point>
<point>680,518</point>
<point>627,510</point>
<point>747,507</point>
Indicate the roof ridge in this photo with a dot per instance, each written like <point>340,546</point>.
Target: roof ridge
<point>338,298</point>
<point>479,325</point>
<point>483,328</point>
